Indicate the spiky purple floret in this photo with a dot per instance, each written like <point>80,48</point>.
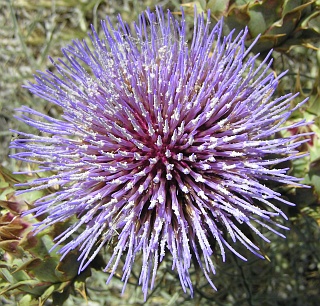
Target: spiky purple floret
<point>162,145</point>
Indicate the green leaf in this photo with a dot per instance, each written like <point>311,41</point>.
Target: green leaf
<point>49,291</point>
<point>43,269</point>
<point>68,268</point>
<point>29,285</point>
<point>217,7</point>
<point>26,300</point>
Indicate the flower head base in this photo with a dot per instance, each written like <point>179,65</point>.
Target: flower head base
<point>162,147</point>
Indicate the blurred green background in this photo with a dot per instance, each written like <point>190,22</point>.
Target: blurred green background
<point>32,30</point>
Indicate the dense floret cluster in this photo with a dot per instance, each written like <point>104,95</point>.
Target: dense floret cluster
<point>164,145</point>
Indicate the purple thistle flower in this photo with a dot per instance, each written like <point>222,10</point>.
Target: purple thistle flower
<point>163,146</point>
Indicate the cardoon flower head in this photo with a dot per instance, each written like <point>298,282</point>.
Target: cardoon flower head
<point>164,145</point>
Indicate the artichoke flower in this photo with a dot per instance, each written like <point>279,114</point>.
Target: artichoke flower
<point>162,148</point>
